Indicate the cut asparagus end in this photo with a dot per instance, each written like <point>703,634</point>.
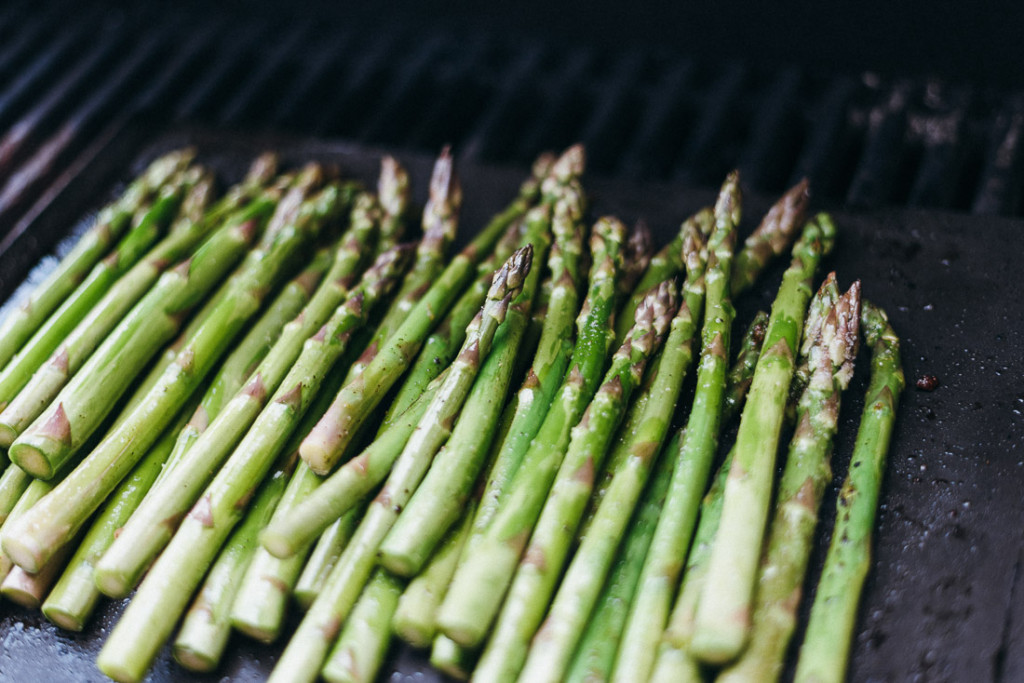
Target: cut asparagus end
<point>193,660</point>
<point>114,584</point>
<point>29,455</point>
<point>63,617</point>
<point>22,549</point>
<point>277,544</point>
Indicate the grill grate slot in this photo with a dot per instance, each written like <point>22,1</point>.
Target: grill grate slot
<point>645,114</point>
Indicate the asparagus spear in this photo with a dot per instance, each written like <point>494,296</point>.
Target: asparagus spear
<point>206,627</point>
<point>29,590</point>
<point>825,651</point>
<point>674,662</point>
<point>106,315</point>
<point>84,401</point>
<point>259,607</point>
<point>251,351</point>
<point>830,346</point>
<point>152,525</point>
<point>307,649</point>
<point>579,592</point>
<point>286,536</point>
<point>393,193</point>
<point>636,257</point>
<point>653,600</point>
<point>440,347</point>
<point>415,619</point>
<point>324,555</point>
<point>110,224</point>
<point>440,220</point>
<point>53,522</point>
<point>139,635</point>
<point>318,502</point>
<point>75,596</point>
<point>439,499</point>
<point>664,265</point>
<point>359,653</point>
<point>354,403</point>
<point>13,483</point>
<point>481,581</point>
<point>528,407</point>
<point>549,545</point>
<point>595,655</point>
<point>146,228</point>
<point>723,612</point>
<point>648,421</point>
<point>772,237</point>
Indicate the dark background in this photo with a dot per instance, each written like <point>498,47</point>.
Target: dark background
<point>908,117</point>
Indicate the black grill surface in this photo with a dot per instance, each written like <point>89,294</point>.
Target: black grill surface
<point>651,113</point>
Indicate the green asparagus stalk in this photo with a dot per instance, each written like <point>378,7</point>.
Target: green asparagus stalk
<point>546,553</point>
<point>674,662</point>
<point>29,590</point>
<point>207,625</point>
<point>742,372</point>
<point>286,536</point>
<point>415,619</point>
<point>13,483</point>
<point>529,405</point>
<point>440,498</point>
<point>307,649</point>
<point>481,581</point>
<point>152,525</point>
<point>266,588</point>
<point>106,315</point>
<point>71,602</point>
<point>230,378</point>
<point>653,600</point>
<point>324,556</point>
<point>251,351</point>
<point>595,656</point>
<point>359,653</point>
<point>319,502</point>
<point>34,491</point>
<point>393,193</point>
<point>636,257</point>
<point>443,344</point>
<point>664,265</point>
<point>110,224</point>
<point>85,400</point>
<point>440,220</point>
<point>145,230</point>
<point>647,422</point>
<point>724,611</point>
<point>826,648</point>
<point>830,346</point>
<point>354,403</point>
<point>579,592</point>
<point>52,523</point>
<point>772,237</point>
<point>139,635</point>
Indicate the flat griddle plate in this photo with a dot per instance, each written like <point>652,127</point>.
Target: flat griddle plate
<point>941,602</point>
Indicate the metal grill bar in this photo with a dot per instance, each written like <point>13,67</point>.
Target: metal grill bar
<point>500,99</point>
<point>878,173</point>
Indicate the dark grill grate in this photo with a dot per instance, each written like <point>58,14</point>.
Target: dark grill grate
<point>863,142</point>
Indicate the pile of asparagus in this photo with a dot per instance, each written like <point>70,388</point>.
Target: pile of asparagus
<point>235,405</point>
